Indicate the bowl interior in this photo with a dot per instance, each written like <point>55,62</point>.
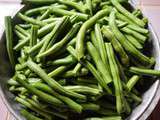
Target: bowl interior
<point>138,113</point>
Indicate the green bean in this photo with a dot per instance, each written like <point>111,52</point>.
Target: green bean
<point>99,64</point>
<point>75,5</point>
<point>9,40</point>
<point>137,35</point>
<point>62,12</point>
<point>83,89</point>
<point>124,18</point>
<point>34,11</point>
<point>19,34</point>
<point>50,99</point>
<point>73,105</point>
<point>12,82</point>
<point>44,15</point>
<point>101,46</point>
<point>51,20</point>
<point>57,71</point>
<point>34,33</point>
<point>37,46</point>
<point>81,34</point>
<point>127,46</point>
<point>72,51</point>
<point>31,20</point>
<point>51,37</point>
<point>25,26</point>
<point>134,41</point>
<point>98,76</point>
<point>77,68</point>
<point>51,82</point>
<point>28,105</point>
<point>57,46</point>
<point>116,78</point>
<point>22,31</point>
<point>117,46</point>
<point>20,67</point>
<point>63,61</point>
<point>132,81</point>
<point>89,6</point>
<point>88,80</point>
<point>93,39</point>
<point>71,73</point>
<point>144,71</point>
<point>28,115</point>
<point>138,29</point>
<point>90,106</point>
<point>127,13</point>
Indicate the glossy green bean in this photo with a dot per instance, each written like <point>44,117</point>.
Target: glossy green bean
<point>84,89</point>
<point>132,81</point>
<point>144,71</point>
<point>51,82</point>
<point>34,36</point>
<point>9,40</point>
<point>62,12</point>
<point>116,78</point>
<point>57,71</point>
<point>31,20</point>
<point>81,34</point>
<point>28,115</point>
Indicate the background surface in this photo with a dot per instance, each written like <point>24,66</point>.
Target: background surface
<point>151,9</point>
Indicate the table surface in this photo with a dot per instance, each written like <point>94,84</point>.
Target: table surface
<point>151,9</point>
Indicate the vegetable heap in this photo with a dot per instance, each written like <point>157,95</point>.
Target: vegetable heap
<point>78,59</point>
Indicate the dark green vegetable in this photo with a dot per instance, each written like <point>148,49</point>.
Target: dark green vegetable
<point>51,82</point>
<point>144,71</point>
<point>9,40</point>
<point>84,28</point>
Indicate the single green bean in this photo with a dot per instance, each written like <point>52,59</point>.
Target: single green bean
<point>44,15</point>
<point>20,35</point>
<point>37,10</point>
<point>116,78</point>
<point>90,106</point>
<point>34,36</point>
<point>9,40</point>
<point>132,81</point>
<point>84,89</point>
<point>28,115</point>
<point>57,71</point>
<point>144,71</point>
<point>81,34</point>
<point>138,29</point>
<point>31,20</point>
<point>63,61</point>
<point>101,46</point>
<point>23,31</point>
<point>62,12</point>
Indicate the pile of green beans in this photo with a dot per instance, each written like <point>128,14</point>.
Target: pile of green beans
<point>78,59</point>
